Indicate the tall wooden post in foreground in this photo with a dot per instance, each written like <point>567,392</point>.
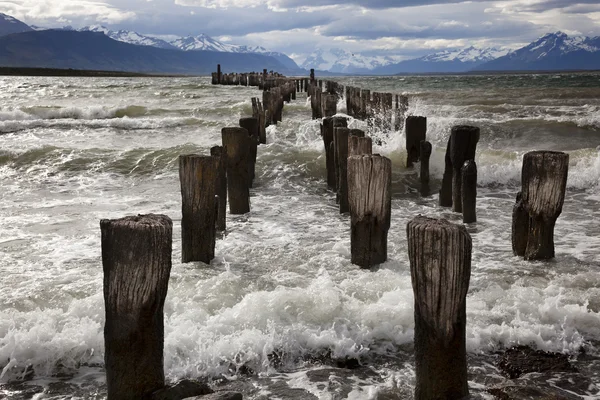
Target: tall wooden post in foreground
<point>236,142</point>
<point>136,259</point>
<point>199,177</point>
<point>539,204</point>
<point>440,267</point>
<point>370,203</point>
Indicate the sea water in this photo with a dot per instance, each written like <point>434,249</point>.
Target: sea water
<point>281,300</point>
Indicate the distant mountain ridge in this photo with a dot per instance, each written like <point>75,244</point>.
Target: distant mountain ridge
<point>553,51</point>
<point>95,51</point>
<point>10,25</point>
<point>189,43</point>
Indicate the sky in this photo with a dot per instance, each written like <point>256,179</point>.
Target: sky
<point>406,28</point>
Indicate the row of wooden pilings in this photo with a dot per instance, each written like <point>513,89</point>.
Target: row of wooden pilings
<point>136,251</point>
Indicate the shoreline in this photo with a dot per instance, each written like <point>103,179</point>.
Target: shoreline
<point>28,71</point>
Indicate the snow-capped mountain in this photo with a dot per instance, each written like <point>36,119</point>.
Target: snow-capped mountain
<point>552,51</point>
<point>10,25</point>
<point>203,42</point>
<point>129,37</point>
<point>340,61</point>
<point>469,54</point>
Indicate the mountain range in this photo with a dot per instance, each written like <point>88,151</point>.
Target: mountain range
<point>97,47</point>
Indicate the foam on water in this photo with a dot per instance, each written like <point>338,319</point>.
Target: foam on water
<point>282,282</point>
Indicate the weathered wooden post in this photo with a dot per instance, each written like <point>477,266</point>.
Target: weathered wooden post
<point>340,144</point>
<point>445,199</point>
<point>136,260</point>
<point>359,145</point>
<point>370,204</point>
<point>329,105</point>
<point>312,75</point>
<point>251,125</point>
<point>416,131</point>
<point>219,153</point>
<point>461,147</point>
<point>440,266</point>
<point>219,74</point>
<point>539,204</point>
<point>463,139</point>
<point>327,130</point>
<point>469,191</point>
<point>425,151</point>
<point>236,142</point>
<point>199,177</point>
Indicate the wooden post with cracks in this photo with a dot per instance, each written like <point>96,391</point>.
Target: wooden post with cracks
<point>199,178</point>
<point>136,260</point>
<point>219,152</point>
<point>236,142</point>
<point>370,205</point>
<point>539,204</point>
<point>440,267</point>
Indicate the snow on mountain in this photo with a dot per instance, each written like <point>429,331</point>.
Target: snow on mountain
<point>469,54</point>
<point>128,37</point>
<point>552,51</point>
<point>341,61</point>
<point>203,42</point>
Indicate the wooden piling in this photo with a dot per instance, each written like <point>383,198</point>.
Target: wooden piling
<point>219,77</point>
<point>219,153</point>
<point>469,191</point>
<point>236,142</point>
<point>425,151</point>
<point>359,144</point>
<point>370,205</point>
<point>329,105</point>
<point>440,264</point>
<point>251,125</point>
<point>136,260</point>
<point>416,131</point>
<point>461,147</point>
<point>543,186</point>
<point>464,140</point>
<point>199,178</point>
<point>327,131</point>
<point>340,143</point>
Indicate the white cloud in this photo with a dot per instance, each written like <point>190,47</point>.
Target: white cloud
<point>65,11</point>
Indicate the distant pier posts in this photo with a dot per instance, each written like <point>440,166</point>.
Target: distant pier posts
<point>440,265</point>
<point>539,204</point>
<point>136,259</point>
<point>219,153</point>
<point>219,75</point>
<point>370,204</point>
<point>312,76</point>
<point>199,177</point>
<point>236,142</point>
<point>469,191</point>
<point>461,147</point>
<point>251,125</point>
<point>416,131</point>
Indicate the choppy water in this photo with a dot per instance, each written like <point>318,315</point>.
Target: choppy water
<point>282,297</point>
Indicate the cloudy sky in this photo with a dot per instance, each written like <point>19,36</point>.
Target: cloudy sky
<point>400,27</point>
